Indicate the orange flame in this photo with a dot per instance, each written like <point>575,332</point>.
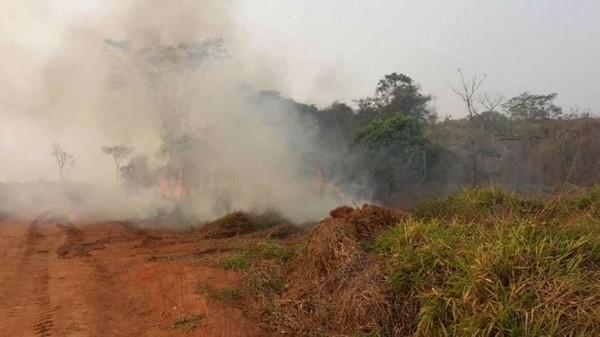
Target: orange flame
<point>326,186</point>
<point>171,189</point>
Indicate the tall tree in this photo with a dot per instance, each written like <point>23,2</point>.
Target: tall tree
<point>170,74</point>
<point>399,93</point>
<point>394,154</point>
<point>118,152</point>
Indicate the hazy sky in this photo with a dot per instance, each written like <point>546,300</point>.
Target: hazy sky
<point>339,49</point>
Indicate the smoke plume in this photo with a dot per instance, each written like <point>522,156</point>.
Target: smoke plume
<point>175,80</point>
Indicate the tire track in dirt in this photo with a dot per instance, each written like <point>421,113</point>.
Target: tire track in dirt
<point>29,314</point>
<point>93,279</point>
<point>95,288</point>
<point>100,289</point>
<point>12,241</point>
<point>72,245</point>
<point>39,251</point>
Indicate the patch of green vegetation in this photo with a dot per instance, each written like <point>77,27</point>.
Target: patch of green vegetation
<point>188,323</point>
<point>261,251</point>
<point>239,261</point>
<point>262,266</point>
<point>517,277</point>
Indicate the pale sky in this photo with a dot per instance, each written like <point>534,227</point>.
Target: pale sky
<point>339,49</point>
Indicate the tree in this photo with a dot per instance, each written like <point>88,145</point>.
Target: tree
<point>398,92</point>
<point>63,158</point>
<point>382,131</point>
<point>395,93</point>
<point>387,136</point>
<point>393,153</point>
<point>118,152</point>
<point>136,174</point>
<point>336,124</point>
<point>533,107</point>
<point>467,92</point>
<point>170,74</point>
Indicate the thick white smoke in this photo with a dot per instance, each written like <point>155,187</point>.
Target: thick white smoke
<point>64,83</point>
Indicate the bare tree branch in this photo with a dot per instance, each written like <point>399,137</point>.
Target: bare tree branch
<point>468,90</point>
<point>63,158</point>
<point>489,102</point>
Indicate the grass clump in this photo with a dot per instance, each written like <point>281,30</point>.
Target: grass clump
<point>188,323</point>
<point>525,280</point>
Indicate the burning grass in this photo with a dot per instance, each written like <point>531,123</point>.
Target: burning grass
<point>482,263</point>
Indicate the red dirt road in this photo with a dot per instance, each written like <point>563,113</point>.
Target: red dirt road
<point>110,279</point>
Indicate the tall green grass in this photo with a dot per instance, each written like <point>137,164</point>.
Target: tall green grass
<point>489,263</point>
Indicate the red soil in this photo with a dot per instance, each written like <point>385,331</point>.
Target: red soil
<point>111,279</point>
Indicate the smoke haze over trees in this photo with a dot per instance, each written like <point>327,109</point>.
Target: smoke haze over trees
<point>204,126</point>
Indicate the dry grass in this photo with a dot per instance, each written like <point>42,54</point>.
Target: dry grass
<point>482,263</point>
<point>333,282</point>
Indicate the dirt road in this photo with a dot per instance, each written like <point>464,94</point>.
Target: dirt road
<point>58,278</point>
